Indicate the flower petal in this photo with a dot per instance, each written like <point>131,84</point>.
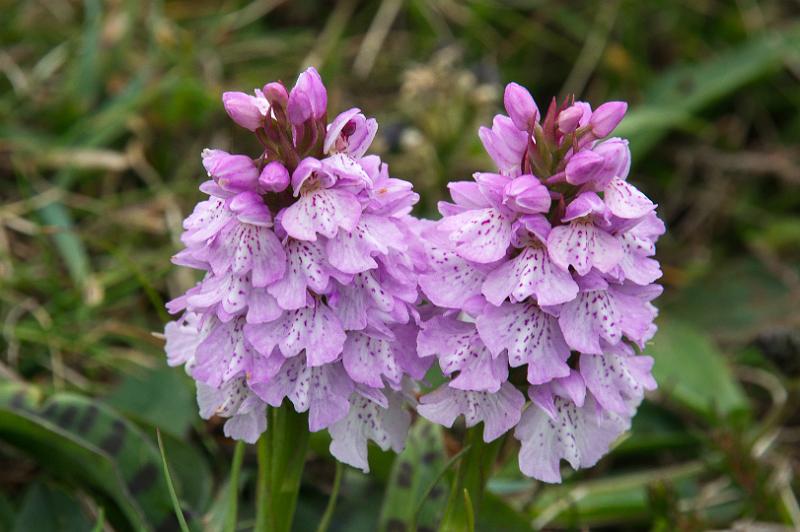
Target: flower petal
<point>618,381</point>
<point>481,235</point>
<point>579,435</point>
<point>366,359</point>
<point>182,338</point>
<point>351,252</point>
<point>625,200</point>
<point>531,273</point>
<point>582,245</point>
<point>306,268</point>
<point>223,355</point>
<point>499,411</point>
<point>365,421</point>
<point>323,391</point>
<point>321,211</point>
<point>530,337</point>
<point>315,329</point>
<point>593,315</point>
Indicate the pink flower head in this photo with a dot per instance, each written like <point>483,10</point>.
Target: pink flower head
<point>543,272</point>
<point>310,288</point>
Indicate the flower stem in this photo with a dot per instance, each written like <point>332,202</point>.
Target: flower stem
<point>470,480</point>
<point>281,457</point>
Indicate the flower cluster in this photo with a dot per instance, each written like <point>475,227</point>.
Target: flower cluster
<point>546,264</point>
<point>310,288</point>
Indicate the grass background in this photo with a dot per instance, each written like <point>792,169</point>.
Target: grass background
<point>106,105</point>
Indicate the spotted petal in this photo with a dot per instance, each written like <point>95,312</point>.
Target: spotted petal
<point>625,200</point>
<point>582,245</point>
<point>351,252</point>
<point>579,435</point>
<point>618,381</point>
<point>306,268</point>
<point>531,273</point>
<point>481,235</point>
<point>223,355</point>
<point>243,248</point>
<point>529,335</point>
<point>590,317</point>
<point>499,411</point>
<point>315,329</point>
<point>322,211</point>
<point>323,391</point>
<point>367,420</point>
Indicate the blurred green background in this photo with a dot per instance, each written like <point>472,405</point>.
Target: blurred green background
<point>106,105</point>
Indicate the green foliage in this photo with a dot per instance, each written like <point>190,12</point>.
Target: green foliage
<point>105,106</point>
<point>692,372</point>
<point>415,492</point>
<point>75,437</point>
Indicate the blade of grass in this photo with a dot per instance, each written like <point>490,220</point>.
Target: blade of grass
<point>100,525</point>
<point>469,510</point>
<point>176,505</point>
<point>331,507</point>
<point>233,488</point>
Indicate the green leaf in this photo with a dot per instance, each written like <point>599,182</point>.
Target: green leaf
<point>87,442</point>
<point>162,398</point>
<point>683,91</point>
<point>613,500</point>
<point>691,371</point>
<point>7,515</point>
<point>496,512</point>
<point>414,470</point>
<point>734,301</point>
<point>190,469</point>
<point>49,508</point>
<point>231,517</point>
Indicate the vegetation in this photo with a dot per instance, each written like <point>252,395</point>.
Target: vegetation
<point>105,107</point>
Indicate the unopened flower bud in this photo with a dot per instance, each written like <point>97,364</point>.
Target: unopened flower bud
<point>274,177</point>
<point>606,117</point>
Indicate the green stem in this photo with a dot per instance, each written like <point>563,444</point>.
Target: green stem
<point>469,482</point>
<point>281,457</point>
<point>329,509</point>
